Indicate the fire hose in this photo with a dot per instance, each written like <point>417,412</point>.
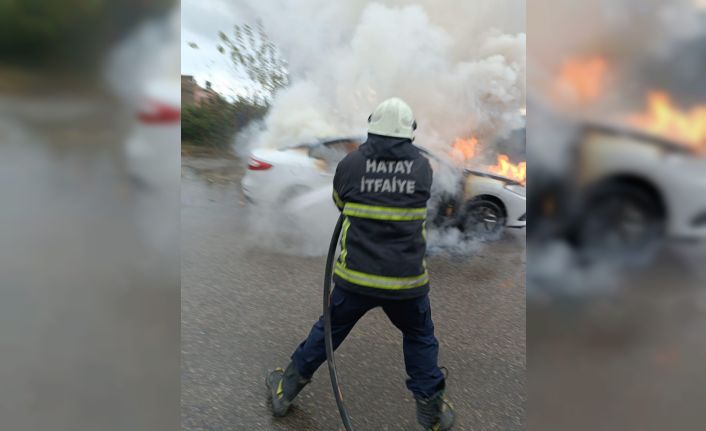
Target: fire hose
<point>345,417</point>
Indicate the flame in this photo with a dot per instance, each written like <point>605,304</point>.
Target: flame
<point>464,149</point>
<point>505,168</point>
<point>582,79</point>
<point>664,119</point>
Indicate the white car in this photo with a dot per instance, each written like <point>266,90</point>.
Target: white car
<point>153,146</point>
<point>142,71</point>
<point>486,204</point>
<point>638,188</point>
<point>275,177</point>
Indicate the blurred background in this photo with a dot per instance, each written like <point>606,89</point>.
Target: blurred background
<point>616,286</point>
<point>89,256</point>
<point>89,261</point>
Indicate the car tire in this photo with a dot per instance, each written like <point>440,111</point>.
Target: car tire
<point>620,222</point>
<point>445,213</point>
<point>483,219</point>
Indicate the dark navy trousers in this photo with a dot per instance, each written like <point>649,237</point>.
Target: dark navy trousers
<point>411,316</point>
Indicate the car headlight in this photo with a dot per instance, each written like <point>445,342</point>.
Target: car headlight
<point>517,189</point>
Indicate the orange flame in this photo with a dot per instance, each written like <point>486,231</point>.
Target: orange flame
<point>664,119</point>
<point>582,79</point>
<point>464,149</point>
<point>505,168</point>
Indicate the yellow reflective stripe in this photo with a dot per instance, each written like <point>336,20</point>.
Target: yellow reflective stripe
<point>384,213</point>
<point>424,235</point>
<point>344,250</point>
<point>378,281</point>
<point>357,205</point>
<point>280,390</point>
<point>337,199</point>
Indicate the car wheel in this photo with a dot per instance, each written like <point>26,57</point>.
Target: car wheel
<point>483,219</point>
<point>445,213</point>
<point>620,221</point>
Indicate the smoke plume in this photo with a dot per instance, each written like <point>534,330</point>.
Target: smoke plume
<point>459,64</point>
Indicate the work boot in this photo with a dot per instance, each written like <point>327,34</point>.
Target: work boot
<point>436,412</point>
<point>284,386</point>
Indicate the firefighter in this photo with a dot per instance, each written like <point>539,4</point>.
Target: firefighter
<point>382,189</point>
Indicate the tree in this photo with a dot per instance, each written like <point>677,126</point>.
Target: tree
<point>253,54</point>
<point>38,32</point>
<point>251,51</point>
<point>216,121</point>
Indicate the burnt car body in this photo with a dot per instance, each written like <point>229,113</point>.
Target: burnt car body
<point>622,194</point>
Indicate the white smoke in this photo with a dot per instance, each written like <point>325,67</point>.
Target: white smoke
<point>644,44</point>
<point>299,227</point>
<point>452,242</point>
<point>459,64</point>
<point>628,34</point>
<point>149,53</point>
<point>556,268</point>
<point>290,121</point>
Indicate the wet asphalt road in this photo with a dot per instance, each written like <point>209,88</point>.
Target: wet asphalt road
<point>89,295</point>
<point>630,358</point>
<point>245,308</point>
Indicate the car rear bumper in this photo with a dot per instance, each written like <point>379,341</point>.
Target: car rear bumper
<point>247,194</point>
<point>253,191</point>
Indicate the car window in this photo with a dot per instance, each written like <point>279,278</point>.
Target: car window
<point>343,146</point>
<point>333,152</point>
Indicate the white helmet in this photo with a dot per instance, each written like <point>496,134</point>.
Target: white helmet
<point>393,117</point>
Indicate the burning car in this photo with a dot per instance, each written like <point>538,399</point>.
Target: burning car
<point>488,199</point>
<point>629,191</point>
<point>630,179</point>
<point>639,188</point>
<point>485,204</point>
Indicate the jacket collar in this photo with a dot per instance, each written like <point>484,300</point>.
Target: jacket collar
<point>385,147</point>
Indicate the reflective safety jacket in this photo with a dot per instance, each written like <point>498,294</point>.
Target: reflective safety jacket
<point>382,189</point>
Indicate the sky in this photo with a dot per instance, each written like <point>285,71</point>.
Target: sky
<point>200,22</point>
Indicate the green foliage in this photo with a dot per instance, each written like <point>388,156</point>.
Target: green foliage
<point>215,123</point>
<point>251,51</point>
<point>39,30</point>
